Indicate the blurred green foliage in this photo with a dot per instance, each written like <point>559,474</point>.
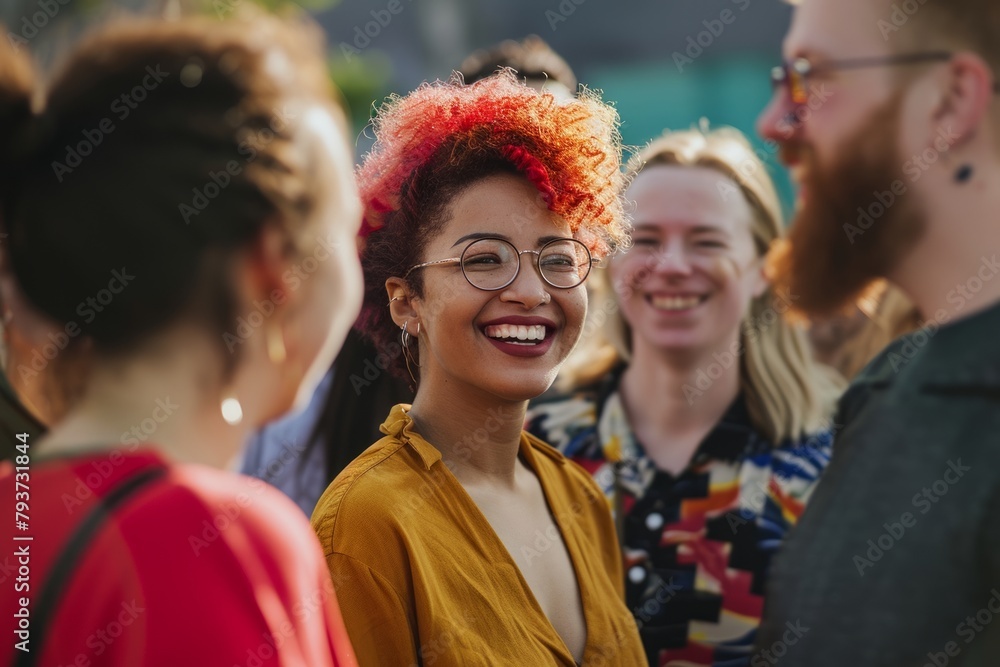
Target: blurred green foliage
<point>280,7</point>
<point>284,5</point>
<point>363,80</point>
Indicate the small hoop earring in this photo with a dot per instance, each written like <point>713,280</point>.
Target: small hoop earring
<point>275,339</point>
<point>395,298</point>
<point>404,339</point>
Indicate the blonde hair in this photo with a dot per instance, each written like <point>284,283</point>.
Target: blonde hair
<point>881,317</point>
<point>788,393</point>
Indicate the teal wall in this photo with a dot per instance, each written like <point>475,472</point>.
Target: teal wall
<point>655,96</point>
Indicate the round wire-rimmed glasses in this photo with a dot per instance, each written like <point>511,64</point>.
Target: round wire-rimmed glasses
<point>794,75</point>
<point>491,264</point>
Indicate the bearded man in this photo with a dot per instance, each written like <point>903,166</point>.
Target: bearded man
<point>887,113</point>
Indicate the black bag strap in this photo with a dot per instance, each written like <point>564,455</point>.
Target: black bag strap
<point>65,564</point>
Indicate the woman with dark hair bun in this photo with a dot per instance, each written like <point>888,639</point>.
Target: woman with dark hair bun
<point>181,196</point>
<point>458,539</point>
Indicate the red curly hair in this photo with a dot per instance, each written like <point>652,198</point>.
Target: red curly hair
<point>445,136</point>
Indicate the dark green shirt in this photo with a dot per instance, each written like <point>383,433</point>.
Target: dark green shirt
<point>896,560</point>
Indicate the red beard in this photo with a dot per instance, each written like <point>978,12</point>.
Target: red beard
<point>834,253</point>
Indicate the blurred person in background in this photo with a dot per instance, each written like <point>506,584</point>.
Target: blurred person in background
<point>301,453</point>
<point>28,407</point>
<point>848,342</point>
<point>699,412</point>
<point>44,364</point>
<point>532,59</point>
<point>459,539</point>
<point>888,114</point>
<point>174,179</point>
<point>30,349</point>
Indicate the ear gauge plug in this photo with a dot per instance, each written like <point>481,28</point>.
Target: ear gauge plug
<point>232,410</point>
<point>964,174</point>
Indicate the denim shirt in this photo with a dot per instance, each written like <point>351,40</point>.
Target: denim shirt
<point>278,453</point>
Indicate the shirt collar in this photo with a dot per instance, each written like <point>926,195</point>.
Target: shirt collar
<point>532,447</point>
<point>399,425</point>
<point>733,438</point>
<point>963,353</point>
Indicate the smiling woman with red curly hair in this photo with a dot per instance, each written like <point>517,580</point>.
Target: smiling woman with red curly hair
<point>458,538</point>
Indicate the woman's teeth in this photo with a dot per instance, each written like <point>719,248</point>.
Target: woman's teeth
<point>516,334</point>
<point>675,302</point>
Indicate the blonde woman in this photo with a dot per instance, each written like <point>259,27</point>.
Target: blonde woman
<point>697,409</point>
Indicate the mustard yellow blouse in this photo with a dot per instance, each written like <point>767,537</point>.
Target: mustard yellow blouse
<point>422,578</point>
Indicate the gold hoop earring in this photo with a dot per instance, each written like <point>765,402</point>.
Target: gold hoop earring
<point>275,340</point>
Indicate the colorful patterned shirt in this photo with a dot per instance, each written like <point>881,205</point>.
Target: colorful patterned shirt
<point>697,547</point>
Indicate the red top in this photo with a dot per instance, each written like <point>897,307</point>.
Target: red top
<point>199,567</point>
